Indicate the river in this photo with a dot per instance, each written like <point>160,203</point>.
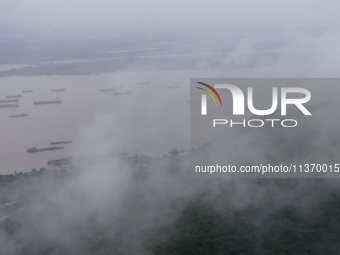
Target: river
<point>151,121</point>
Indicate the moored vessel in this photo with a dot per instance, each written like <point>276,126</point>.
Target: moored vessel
<point>173,87</point>
<point>59,162</point>
<point>112,89</point>
<point>8,105</point>
<point>14,96</point>
<point>122,93</point>
<point>19,115</point>
<point>61,142</point>
<point>9,100</point>
<point>58,101</point>
<point>34,149</point>
<point>144,83</point>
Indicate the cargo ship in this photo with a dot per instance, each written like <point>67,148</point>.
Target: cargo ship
<point>173,87</point>
<point>9,100</point>
<point>14,96</point>
<point>59,162</point>
<point>27,91</point>
<point>103,90</point>
<point>34,149</point>
<point>195,101</point>
<point>122,93</point>
<point>55,90</point>
<point>61,142</point>
<point>47,102</point>
<point>8,105</point>
<point>20,115</point>
<point>143,83</point>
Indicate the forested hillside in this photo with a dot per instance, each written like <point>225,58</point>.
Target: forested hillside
<point>155,208</point>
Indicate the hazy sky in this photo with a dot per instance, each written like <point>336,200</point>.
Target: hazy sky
<point>120,13</point>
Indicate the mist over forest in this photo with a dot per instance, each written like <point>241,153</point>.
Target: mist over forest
<point>124,203</point>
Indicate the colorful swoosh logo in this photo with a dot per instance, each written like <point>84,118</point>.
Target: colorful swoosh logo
<point>208,92</point>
